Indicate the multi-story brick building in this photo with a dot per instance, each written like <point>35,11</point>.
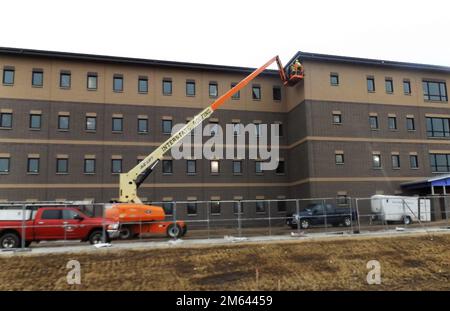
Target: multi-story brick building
<point>71,122</point>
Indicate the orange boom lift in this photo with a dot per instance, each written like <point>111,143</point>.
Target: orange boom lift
<point>137,218</point>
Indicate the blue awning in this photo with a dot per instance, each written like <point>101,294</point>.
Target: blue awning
<point>442,180</point>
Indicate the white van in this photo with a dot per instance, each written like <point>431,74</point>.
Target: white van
<point>401,209</point>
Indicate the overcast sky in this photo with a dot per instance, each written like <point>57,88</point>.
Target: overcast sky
<point>232,32</point>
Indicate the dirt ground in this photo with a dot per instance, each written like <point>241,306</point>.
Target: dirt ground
<point>407,263</point>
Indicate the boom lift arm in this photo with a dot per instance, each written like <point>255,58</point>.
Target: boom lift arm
<point>130,181</point>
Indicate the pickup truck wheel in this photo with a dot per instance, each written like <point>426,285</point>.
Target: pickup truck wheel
<point>305,223</point>
<point>9,240</point>
<point>174,231</point>
<point>407,220</point>
<point>126,233</point>
<point>96,237</point>
<point>347,221</point>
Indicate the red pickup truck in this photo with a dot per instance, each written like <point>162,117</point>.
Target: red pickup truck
<point>53,223</point>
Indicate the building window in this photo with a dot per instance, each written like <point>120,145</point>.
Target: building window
<point>63,122</point>
<point>143,85</point>
<point>395,159</point>
<point>117,124</point>
<point>256,92</point>
<point>33,165</point>
<point>337,118</point>
<point>167,87</point>
<point>410,124</point>
<point>389,85</point>
<point>6,120</point>
<point>213,89</point>
<point>236,95</point>
<point>65,80</point>
<point>280,168</point>
<point>168,208</point>
<point>392,123</point>
<point>62,166</point>
<point>281,206</point>
<point>91,123</point>
<point>4,165</point>
<point>35,121</point>
<point>215,208</point>
<point>191,166</point>
<point>191,208</point>
<point>118,83</point>
<point>376,161</point>
<point>373,120</point>
<point>414,161</point>
<point>371,84</point>
<point>334,79</point>
<point>89,166</point>
<point>167,166</point>
<point>167,126</point>
<point>142,126</point>
<point>342,199</point>
<point>406,87</point>
<point>237,167</point>
<point>37,78</point>
<point>8,76</point>
<point>435,91</point>
<point>190,88</point>
<point>92,81</point>
<point>116,166</point>
<point>258,168</point>
<point>440,163</point>
<point>276,93</point>
<point>339,158</point>
<point>214,167</point>
<point>438,127</point>
<point>261,207</point>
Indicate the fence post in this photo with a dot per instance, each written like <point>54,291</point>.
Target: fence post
<point>174,215</point>
<point>104,233</point>
<point>239,218</point>
<point>208,207</point>
<point>23,227</point>
<point>325,215</point>
<point>351,216</point>
<point>446,211</point>
<point>140,228</point>
<point>297,207</point>
<point>270,222</point>
<point>357,215</point>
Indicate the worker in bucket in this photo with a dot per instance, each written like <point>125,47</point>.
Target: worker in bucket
<point>296,68</point>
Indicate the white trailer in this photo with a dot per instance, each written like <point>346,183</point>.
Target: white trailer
<point>401,209</point>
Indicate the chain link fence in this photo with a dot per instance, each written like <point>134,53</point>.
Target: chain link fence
<point>66,223</point>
